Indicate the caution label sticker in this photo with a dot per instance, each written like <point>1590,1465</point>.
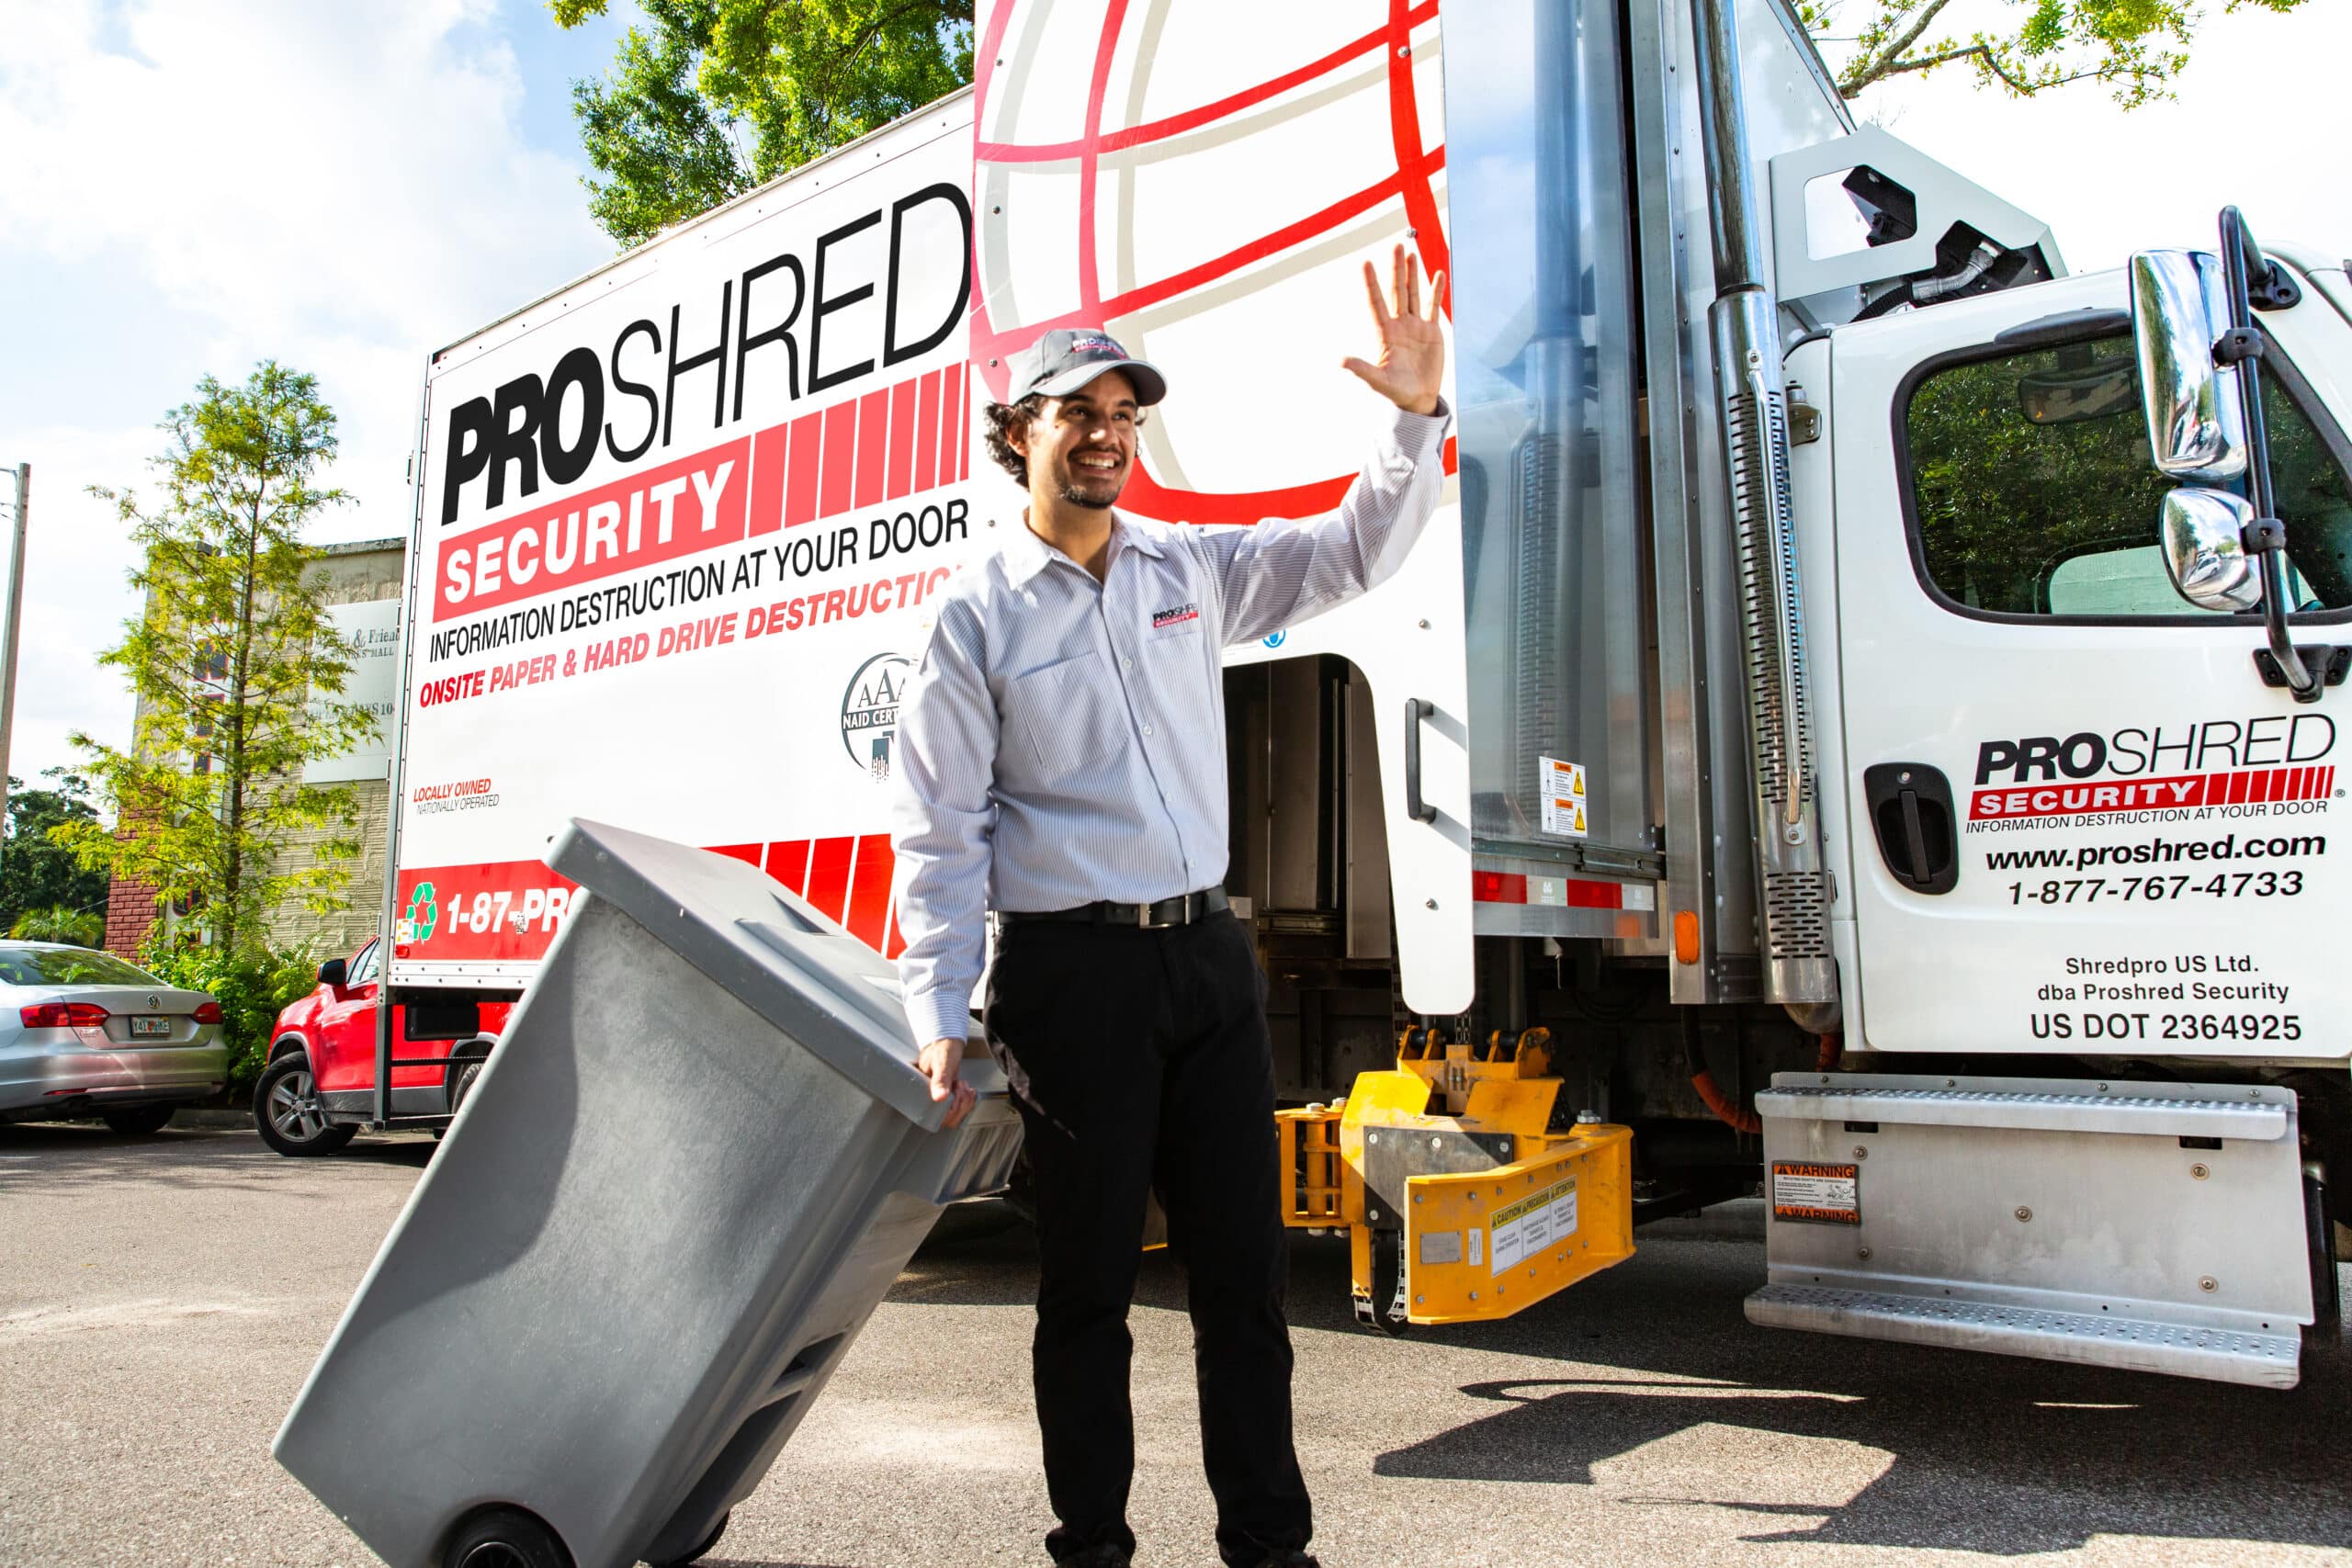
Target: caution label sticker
<point>1521,1230</point>
<point>1817,1194</point>
<point>1560,786</point>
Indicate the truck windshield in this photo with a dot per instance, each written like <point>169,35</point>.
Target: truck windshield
<point>2032,493</point>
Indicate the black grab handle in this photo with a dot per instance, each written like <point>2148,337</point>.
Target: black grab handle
<point>1416,710</point>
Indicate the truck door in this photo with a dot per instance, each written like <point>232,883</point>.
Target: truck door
<point>2079,822</point>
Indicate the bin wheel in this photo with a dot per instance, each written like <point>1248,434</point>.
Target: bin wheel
<point>700,1551</point>
<point>504,1537</point>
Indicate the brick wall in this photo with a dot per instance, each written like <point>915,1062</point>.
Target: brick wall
<point>130,910</point>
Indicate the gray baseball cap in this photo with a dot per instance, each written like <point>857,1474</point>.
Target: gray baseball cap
<point>1067,358</point>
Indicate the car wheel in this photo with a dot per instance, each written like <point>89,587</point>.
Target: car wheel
<point>140,1117</point>
<point>504,1537</point>
<point>288,1114</point>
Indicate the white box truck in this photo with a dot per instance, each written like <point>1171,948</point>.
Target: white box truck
<point>1863,721</point>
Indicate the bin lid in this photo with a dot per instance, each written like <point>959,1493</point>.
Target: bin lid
<point>768,947</point>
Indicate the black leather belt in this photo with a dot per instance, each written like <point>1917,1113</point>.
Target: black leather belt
<point>1182,911</point>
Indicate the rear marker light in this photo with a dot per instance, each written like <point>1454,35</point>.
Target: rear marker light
<point>62,1015</point>
<point>207,1012</point>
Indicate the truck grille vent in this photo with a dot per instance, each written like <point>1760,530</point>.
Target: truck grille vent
<point>1796,914</point>
<point>1757,500</point>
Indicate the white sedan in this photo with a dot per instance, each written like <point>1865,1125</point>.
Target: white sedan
<point>83,1034</point>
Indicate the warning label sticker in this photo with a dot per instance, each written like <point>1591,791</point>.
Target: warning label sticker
<point>1820,1194</point>
<point>1560,786</point>
<point>1521,1230</point>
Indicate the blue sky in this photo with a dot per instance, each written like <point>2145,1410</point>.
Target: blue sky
<point>191,184</point>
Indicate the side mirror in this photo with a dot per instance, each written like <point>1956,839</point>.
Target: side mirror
<point>333,973</point>
<point>2196,413</point>
<point>2205,551</point>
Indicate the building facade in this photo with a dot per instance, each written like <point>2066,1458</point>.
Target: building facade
<point>363,590</point>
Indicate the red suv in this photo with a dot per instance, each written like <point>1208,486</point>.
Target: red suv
<point>318,1087</point>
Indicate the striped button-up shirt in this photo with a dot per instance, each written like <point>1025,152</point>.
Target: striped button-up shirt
<point>1063,741</point>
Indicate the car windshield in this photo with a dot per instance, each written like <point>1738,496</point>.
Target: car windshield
<point>68,967</point>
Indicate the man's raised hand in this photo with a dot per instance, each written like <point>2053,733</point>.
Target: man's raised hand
<point>1411,365</point>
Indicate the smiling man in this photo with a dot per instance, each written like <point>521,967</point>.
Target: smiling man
<point>1061,760</point>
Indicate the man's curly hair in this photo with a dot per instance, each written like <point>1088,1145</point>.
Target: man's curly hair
<point>1003,418</point>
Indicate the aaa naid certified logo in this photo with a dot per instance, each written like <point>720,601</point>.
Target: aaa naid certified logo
<point>870,711</point>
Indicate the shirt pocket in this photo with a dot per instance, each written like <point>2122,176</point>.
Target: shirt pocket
<point>1071,713</point>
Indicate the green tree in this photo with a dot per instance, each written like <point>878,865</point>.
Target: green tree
<point>2135,47</point>
<point>36,872</point>
<point>233,642</point>
<point>59,923</point>
<point>711,98</point>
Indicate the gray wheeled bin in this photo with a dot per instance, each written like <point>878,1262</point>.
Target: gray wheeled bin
<point>694,1164</point>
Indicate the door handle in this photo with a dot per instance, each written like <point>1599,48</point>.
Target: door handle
<point>1417,809</point>
<point>1911,811</point>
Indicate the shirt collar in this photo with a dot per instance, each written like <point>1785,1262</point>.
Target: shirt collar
<point>1026,555</point>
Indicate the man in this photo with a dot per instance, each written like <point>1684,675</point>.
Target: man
<point>1061,760</point>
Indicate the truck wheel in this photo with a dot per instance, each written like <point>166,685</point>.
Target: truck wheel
<point>138,1118</point>
<point>697,1554</point>
<point>504,1537</point>
<point>286,1112</point>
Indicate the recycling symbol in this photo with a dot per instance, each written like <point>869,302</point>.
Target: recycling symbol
<point>423,912</point>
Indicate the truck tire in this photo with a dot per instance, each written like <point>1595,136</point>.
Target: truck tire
<point>139,1119</point>
<point>504,1537</point>
<point>286,1112</point>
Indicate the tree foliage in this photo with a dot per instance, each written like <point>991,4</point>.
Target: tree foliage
<point>233,642</point>
<point>2134,47</point>
<point>36,872</point>
<point>711,98</point>
<point>80,927</point>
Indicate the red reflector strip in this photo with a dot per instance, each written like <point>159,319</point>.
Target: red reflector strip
<point>1559,892</point>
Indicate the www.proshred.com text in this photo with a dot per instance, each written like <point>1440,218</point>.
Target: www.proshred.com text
<point>2089,857</point>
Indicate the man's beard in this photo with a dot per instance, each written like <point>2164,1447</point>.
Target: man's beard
<point>1077,497</point>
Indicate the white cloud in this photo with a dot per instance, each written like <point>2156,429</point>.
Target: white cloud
<point>343,189</point>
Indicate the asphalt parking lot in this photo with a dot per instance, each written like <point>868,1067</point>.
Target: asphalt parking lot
<point>162,1299</point>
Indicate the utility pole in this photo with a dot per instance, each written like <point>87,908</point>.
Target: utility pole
<point>8,637</point>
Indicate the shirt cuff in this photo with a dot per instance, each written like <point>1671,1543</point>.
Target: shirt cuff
<point>1415,430</point>
<point>940,1015</point>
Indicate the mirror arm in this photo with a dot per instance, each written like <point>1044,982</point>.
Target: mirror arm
<point>2266,539</point>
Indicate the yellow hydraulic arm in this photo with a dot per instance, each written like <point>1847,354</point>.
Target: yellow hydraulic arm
<point>1466,1191</point>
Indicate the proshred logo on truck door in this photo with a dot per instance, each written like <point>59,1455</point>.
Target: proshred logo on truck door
<point>2158,859</point>
<point>668,518</point>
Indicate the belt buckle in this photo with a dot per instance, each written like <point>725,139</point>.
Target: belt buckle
<point>1144,922</point>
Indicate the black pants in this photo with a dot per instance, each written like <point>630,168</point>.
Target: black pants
<point>1140,1061</point>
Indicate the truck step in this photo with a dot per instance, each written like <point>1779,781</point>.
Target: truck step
<point>2263,1361</point>
<point>2028,1110</point>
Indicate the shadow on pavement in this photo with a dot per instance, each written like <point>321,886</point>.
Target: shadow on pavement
<point>1986,1453</point>
<point>62,1157</point>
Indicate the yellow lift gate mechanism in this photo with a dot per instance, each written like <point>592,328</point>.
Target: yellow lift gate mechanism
<point>1464,1193</point>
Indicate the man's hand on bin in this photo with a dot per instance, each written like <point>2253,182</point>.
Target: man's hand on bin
<point>942,1062</point>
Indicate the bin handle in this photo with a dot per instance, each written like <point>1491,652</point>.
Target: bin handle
<point>1416,710</point>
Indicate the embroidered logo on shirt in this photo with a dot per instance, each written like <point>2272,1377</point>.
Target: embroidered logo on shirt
<point>1163,619</point>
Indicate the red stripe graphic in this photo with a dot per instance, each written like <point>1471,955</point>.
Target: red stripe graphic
<point>801,494</point>
<point>873,444</point>
<point>835,481</point>
<point>927,431</point>
<point>903,440</point>
<point>829,862</point>
<point>788,863</point>
<point>749,855</point>
<point>768,478</point>
<point>2255,787</point>
<point>869,892</point>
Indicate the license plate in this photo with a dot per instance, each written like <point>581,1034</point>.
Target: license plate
<point>150,1028</point>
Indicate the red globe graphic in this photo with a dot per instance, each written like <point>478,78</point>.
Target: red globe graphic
<point>1221,152</point>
